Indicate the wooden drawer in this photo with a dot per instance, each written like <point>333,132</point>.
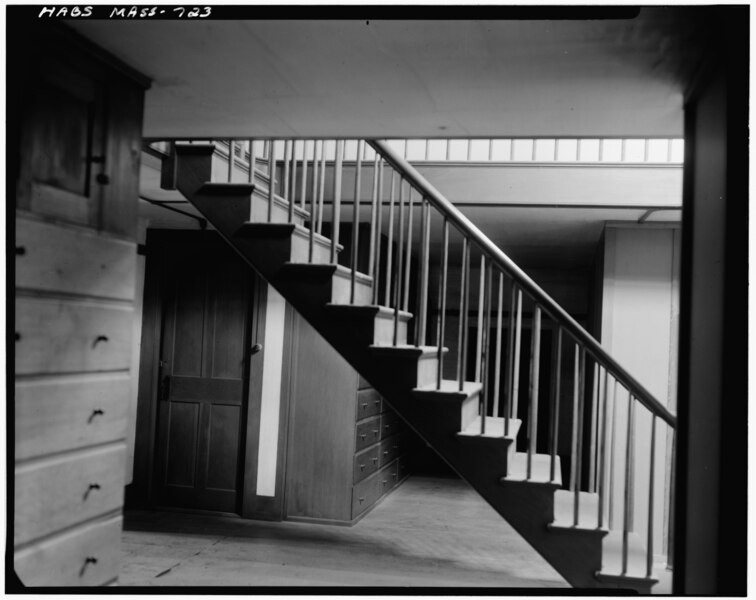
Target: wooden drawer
<point>364,494</point>
<point>88,555</point>
<point>391,423</point>
<point>54,336</point>
<point>367,462</point>
<point>77,261</point>
<point>368,403</point>
<point>66,413</point>
<point>64,491</point>
<point>391,448</point>
<point>368,432</point>
<point>387,479</point>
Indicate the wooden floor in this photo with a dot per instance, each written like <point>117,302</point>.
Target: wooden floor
<point>430,532</point>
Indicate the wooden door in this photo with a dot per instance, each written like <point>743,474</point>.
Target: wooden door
<point>203,375</point>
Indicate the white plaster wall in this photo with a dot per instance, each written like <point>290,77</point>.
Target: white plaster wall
<point>639,328</point>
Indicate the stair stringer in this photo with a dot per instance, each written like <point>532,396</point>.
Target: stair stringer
<point>527,506</point>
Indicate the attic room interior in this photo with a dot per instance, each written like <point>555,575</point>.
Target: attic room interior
<point>376,302</point>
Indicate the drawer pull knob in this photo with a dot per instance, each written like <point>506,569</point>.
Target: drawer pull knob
<point>361,500</point>
<point>20,250</point>
<point>377,402</point>
<point>375,431</point>
<point>90,560</point>
<point>362,467</point>
<point>98,339</point>
<point>363,436</point>
<point>95,413</point>
<point>375,459</point>
<point>364,405</point>
<point>387,426</point>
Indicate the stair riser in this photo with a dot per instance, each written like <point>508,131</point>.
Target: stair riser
<point>427,371</point>
<point>384,331</point>
<point>341,291</point>
<point>300,249</point>
<point>225,213</point>
<point>469,411</point>
<point>280,212</point>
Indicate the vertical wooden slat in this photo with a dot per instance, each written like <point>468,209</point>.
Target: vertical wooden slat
<point>462,308</point>
<point>272,182</point>
<point>612,438</point>
<point>485,390</point>
<point>479,341</point>
<point>603,453</point>
<point>390,239</point>
<point>230,160</point>
<point>575,393</point>
<point>535,367</point>
<point>337,198</point>
<point>321,195</point>
<point>303,189</point>
<point>408,254</point>
<point>373,214</point>
<point>293,172</point>
<point>314,198</point>
<point>464,314</point>
<point>627,521</point>
<point>594,427</point>
<point>424,267</point>
<point>650,533</point>
<point>442,304</point>
<point>497,357</point>
<point>579,445</point>
<point>671,504</point>
<point>399,255</point>
<point>378,222</point>
<point>555,404</point>
<point>508,379</point>
<point>252,161</point>
<point>356,219</point>
<point>287,159</point>
<point>516,362</point>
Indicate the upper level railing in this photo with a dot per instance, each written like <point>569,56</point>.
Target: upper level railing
<point>421,255</point>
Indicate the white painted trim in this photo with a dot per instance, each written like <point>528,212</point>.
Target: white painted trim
<point>270,403</point>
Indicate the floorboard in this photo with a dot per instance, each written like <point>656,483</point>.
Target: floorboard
<point>430,532</point>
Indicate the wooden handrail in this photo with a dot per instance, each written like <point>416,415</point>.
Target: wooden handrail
<point>503,262</point>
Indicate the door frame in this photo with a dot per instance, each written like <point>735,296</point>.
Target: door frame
<point>140,493</point>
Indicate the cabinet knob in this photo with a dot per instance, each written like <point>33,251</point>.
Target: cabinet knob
<point>375,459</point>
<point>92,486</point>
<point>363,436</point>
<point>20,250</point>
<point>361,500</point>
<point>102,179</point>
<point>89,560</point>
<point>98,339</point>
<point>362,467</point>
<point>96,412</point>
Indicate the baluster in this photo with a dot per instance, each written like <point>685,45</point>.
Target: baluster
<point>408,256</point>
<point>555,404</point>
<point>578,445</point>
<point>594,430</point>
<point>313,201</point>
<point>442,304</point>
<point>272,182</point>
<point>671,501</point>
<point>252,161</point>
<point>612,438</point>
<point>424,268</point>
<point>497,358</point>
<point>337,199</point>
<point>293,172</point>
<point>356,218</point>
<point>603,452</point>
<point>650,541</point>
<point>303,189</point>
<point>373,214</point>
<point>462,312</point>
<point>535,368</point>
<point>379,220</point>
<point>321,195</point>
<point>485,388</point>
<point>399,255</point>
<point>479,340</point>
<point>516,363</point>
<point>627,521</point>
<point>287,159</point>
<point>508,382</point>
<point>390,238</point>
<point>230,160</point>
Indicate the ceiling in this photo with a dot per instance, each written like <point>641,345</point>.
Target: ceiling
<point>410,78</point>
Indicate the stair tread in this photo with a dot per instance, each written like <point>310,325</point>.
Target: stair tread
<point>283,229</point>
<point>407,349</point>
<point>540,472</point>
<point>451,386</point>
<point>376,308</point>
<point>494,428</point>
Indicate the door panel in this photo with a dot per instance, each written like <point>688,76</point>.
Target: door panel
<point>203,377</point>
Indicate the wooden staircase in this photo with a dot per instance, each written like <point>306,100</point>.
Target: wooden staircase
<point>525,488</point>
